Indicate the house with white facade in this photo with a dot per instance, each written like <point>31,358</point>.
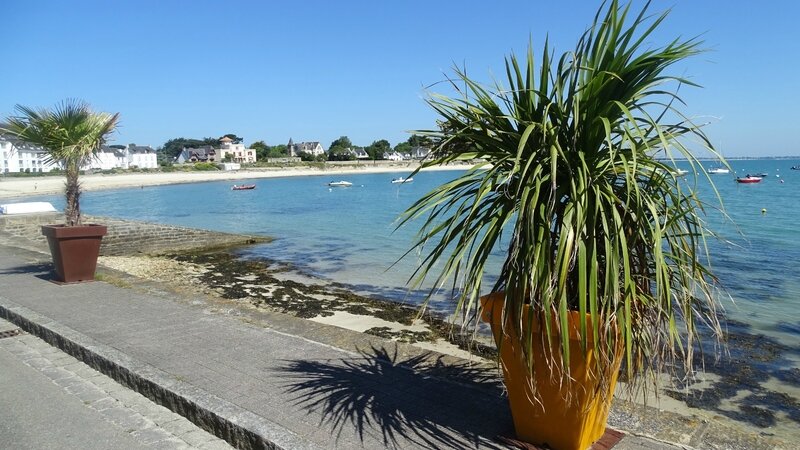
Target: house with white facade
<point>131,157</point>
<point>420,152</point>
<point>393,156</point>
<point>18,156</point>
<point>312,148</point>
<point>205,153</point>
<point>106,158</point>
<point>141,157</point>
<point>360,153</point>
<point>236,152</point>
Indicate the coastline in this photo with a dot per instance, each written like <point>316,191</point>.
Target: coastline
<point>31,186</point>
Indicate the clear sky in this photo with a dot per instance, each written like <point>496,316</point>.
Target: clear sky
<point>316,70</point>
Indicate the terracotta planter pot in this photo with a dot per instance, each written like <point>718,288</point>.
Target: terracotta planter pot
<point>549,418</point>
<point>74,250</point>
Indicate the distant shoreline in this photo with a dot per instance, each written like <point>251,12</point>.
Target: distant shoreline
<point>11,187</point>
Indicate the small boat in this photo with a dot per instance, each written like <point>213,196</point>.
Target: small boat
<point>402,180</point>
<point>718,170</point>
<point>681,172</point>
<point>243,187</point>
<point>749,179</point>
<point>795,167</point>
<point>761,174</point>
<point>341,183</point>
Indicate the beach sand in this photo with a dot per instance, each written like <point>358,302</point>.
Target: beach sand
<point>11,187</point>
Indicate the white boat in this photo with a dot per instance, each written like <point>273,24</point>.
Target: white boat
<point>341,183</point>
<point>718,170</point>
<point>681,172</point>
<point>26,208</point>
<point>402,180</point>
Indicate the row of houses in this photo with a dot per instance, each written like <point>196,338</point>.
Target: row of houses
<point>315,149</point>
<point>18,156</point>
<point>227,151</point>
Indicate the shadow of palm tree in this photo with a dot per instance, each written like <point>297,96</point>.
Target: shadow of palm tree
<point>421,401</point>
<point>40,270</point>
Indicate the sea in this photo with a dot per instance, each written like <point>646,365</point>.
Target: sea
<point>348,234</point>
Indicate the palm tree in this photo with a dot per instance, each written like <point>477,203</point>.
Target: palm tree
<point>70,133</point>
<point>577,174</point>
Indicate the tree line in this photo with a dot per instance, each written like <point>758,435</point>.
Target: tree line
<point>341,149</point>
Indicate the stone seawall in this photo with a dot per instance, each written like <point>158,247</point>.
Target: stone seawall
<point>128,237</point>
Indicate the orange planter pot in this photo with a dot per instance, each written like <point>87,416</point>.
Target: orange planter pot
<point>74,250</point>
<point>550,419</point>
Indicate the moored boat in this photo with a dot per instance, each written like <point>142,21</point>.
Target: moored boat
<point>341,183</point>
<point>718,170</point>
<point>402,180</point>
<point>749,179</point>
<point>243,187</point>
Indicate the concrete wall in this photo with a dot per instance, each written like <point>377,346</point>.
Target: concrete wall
<point>128,237</point>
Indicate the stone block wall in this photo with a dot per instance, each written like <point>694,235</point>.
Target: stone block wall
<point>128,237</point>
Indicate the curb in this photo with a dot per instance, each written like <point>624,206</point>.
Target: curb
<point>238,426</point>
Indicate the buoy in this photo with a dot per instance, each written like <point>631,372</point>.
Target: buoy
<point>763,210</point>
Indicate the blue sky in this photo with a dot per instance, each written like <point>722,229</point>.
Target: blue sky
<point>316,70</point>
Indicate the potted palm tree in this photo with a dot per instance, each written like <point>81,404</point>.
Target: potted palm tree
<point>70,133</point>
<point>604,245</point>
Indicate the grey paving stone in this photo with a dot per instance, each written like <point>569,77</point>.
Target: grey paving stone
<point>87,393</point>
<point>103,404</point>
<point>126,418</point>
<point>196,438</point>
<point>151,435</point>
<point>56,373</point>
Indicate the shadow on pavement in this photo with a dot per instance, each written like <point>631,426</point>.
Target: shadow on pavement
<point>410,400</point>
<point>43,271</point>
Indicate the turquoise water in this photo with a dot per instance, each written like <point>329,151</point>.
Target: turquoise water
<point>346,234</point>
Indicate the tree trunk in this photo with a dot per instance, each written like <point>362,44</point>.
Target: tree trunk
<point>72,210</point>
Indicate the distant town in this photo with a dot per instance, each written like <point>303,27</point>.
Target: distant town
<point>227,152</point>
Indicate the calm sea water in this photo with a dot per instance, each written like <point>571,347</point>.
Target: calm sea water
<point>347,234</point>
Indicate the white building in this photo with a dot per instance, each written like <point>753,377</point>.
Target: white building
<point>420,152</point>
<point>141,157</point>
<point>131,157</point>
<point>393,156</point>
<point>18,156</point>
<point>106,158</point>
<point>312,148</point>
<point>360,153</point>
<point>237,152</point>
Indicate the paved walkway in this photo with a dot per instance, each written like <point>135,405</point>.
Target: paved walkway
<point>260,379</point>
<point>52,400</point>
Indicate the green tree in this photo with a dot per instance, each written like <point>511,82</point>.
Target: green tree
<point>278,151</point>
<point>378,148</point>
<point>417,140</point>
<point>261,148</point>
<point>342,142</point>
<point>70,133</point>
<point>305,156</point>
<point>173,147</point>
<point>403,147</point>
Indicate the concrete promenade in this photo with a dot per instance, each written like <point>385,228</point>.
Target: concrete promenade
<point>265,380</point>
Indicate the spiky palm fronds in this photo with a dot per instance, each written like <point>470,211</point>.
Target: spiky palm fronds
<point>70,133</point>
<point>597,223</point>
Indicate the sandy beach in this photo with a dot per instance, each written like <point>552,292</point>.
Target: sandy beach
<point>28,186</point>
